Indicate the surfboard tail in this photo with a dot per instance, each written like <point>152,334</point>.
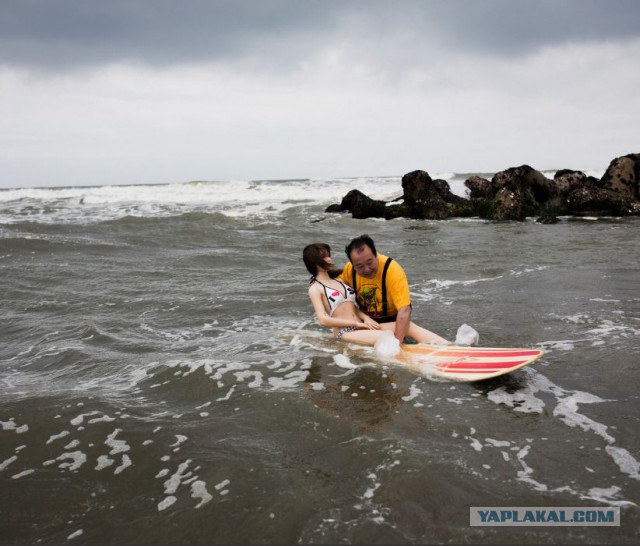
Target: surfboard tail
<point>467,363</point>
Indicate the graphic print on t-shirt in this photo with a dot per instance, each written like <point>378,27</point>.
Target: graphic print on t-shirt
<point>369,299</point>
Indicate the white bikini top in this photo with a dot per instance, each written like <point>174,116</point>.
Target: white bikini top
<point>335,298</point>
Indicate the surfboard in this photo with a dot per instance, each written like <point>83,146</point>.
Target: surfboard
<point>457,363</point>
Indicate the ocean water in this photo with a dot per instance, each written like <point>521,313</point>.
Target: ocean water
<point>162,378</point>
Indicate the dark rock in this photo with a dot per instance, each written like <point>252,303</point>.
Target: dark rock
<point>415,186</point>
<point>480,188</point>
<point>563,172</point>
<point>548,219</point>
<point>419,188</point>
<point>359,205</point>
<point>514,204</point>
<point>566,180</point>
<point>623,176</point>
<point>597,201</point>
<point>426,198</point>
<point>484,208</point>
<point>397,211</point>
<point>616,194</point>
<point>523,179</point>
<point>513,194</point>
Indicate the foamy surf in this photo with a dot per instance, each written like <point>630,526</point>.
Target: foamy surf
<point>233,198</point>
<point>160,341</point>
<point>530,399</point>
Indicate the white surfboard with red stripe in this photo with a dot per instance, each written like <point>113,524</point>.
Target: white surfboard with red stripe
<point>466,363</point>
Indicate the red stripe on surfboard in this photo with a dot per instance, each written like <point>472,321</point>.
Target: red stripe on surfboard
<point>480,366</point>
<point>482,373</point>
<point>425,349</point>
<point>473,353</point>
<point>478,372</point>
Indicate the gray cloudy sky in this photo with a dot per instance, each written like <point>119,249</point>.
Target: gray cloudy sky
<point>140,91</point>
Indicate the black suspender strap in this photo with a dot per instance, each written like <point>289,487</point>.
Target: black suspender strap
<point>353,280</point>
<point>385,305</point>
<point>384,287</point>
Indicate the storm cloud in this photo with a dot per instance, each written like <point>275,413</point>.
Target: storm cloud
<point>125,91</point>
<point>72,33</point>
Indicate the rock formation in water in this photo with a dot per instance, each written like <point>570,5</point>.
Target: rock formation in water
<point>513,194</point>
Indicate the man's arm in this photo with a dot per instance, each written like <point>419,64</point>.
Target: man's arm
<point>398,289</point>
<point>402,323</point>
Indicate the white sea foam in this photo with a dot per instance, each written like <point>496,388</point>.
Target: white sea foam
<point>166,502</point>
<point>525,474</point>
<point>199,491</point>
<point>232,198</point>
<point>343,361</point>
<point>625,461</point>
<point>76,458</point>
<point>371,490</point>
<point>608,329</point>
<point>414,392</point>
<point>126,463</point>
<point>55,437</point>
<point>117,446</point>
<point>11,425</point>
<point>289,381</point>
<point>221,485</point>
<point>440,284</point>
<point>103,462</point>
<point>180,439</point>
<point>376,512</point>
<point>75,534</point>
<point>22,474</point>
<point>566,409</point>
<point>4,464</point>
<point>560,345</point>
<point>475,443</point>
<point>607,496</point>
<point>497,443</point>
<point>226,396</point>
<point>257,378</point>
<point>171,485</point>
<point>523,400</point>
<point>427,291</point>
<point>602,331</point>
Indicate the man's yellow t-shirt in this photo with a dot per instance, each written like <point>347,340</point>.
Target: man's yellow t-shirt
<point>369,291</point>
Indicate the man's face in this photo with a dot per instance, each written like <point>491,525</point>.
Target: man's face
<point>364,262</point>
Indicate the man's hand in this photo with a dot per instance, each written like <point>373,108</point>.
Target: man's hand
<point>402,323</point>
